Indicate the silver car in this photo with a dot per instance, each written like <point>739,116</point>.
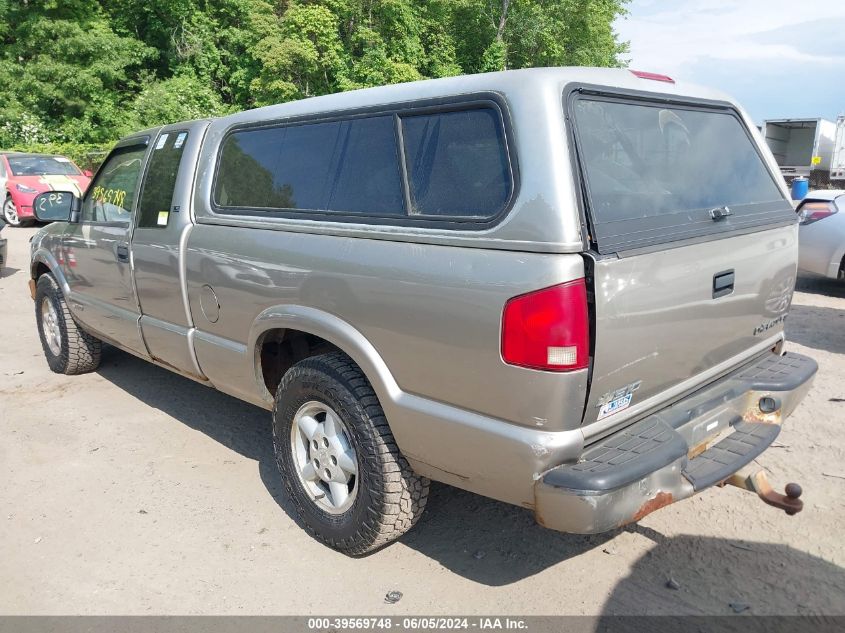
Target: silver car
<point>821,216</point>
<point>562,288</point>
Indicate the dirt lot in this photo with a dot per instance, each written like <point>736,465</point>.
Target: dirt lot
<point>134,491</point>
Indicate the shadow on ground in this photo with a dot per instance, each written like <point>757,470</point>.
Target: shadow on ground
<point>817,327</point>
<point>241,427</point>
<point>496,544</point>
<point>812,284</point>
<point>490,542</point>
<point>725,577</point>
<point>487,541</point>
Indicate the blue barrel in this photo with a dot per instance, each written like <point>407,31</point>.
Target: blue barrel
<point>800,187</point>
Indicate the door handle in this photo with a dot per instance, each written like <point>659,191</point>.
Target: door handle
<point>123,252</point>
<point>723,283</point>
<point>720,213</point>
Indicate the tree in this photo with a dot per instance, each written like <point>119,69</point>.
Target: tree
<point>304,58</point>
<point>66,67</point>
<point>179,98</point>
<point>87,71</point>
<point>502,34</point>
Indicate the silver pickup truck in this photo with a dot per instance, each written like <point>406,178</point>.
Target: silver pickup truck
<point>561,288</point>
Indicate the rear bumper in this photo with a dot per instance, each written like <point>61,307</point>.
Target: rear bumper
<point>673,454</point>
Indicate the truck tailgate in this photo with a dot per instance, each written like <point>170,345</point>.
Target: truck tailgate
<point>694,248</point>
<point>662,328</point>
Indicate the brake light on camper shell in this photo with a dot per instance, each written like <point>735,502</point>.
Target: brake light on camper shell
<point>814,211</point>
<point>548,329</point>
<point>642,74</point>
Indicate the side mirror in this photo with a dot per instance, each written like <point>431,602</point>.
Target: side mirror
<point>56,206</point>
<point>88,173</point>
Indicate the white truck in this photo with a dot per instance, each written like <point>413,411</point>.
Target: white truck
<point>802,147</point>
<point>837,161</point>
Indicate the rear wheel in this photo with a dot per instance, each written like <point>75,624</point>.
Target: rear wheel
<point>10,212</point>
<point>352,488</point>
<point>67,347</point>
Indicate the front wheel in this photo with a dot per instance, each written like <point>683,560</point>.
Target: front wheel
<point>10,212</point>
<point>68,348</point>
<point>352,488</point>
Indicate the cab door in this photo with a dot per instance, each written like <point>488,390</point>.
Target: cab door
<point>97,260</point>
<point>163,222</point>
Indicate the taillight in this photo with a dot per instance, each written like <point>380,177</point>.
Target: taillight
<point>548,329</point>
<point>814,211</point>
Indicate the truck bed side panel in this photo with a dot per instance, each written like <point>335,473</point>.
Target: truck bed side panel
<point>433,313</point>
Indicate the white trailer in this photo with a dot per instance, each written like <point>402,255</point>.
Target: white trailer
<point>837,161</point>
<point>801,146</point>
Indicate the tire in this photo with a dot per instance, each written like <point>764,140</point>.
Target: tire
<point>386,498</point>
<point>10,212</point>
<point>67,347</point>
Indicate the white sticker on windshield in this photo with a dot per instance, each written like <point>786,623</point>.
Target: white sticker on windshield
<point>180,140</point>
<point>161,141</point>
<point>61,159</point>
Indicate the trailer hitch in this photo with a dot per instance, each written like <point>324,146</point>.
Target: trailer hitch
<point>756,481</point>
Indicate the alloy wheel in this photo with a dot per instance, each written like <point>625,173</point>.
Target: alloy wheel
<point>50,325</point>
<point>10,213</point>
<point>325,459</point>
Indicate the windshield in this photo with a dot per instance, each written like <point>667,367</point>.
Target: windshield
<point>42,166</point>
<point>657,173</point>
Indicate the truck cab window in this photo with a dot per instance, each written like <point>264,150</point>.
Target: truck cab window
<point>154,207</point>
<point>111,196</point>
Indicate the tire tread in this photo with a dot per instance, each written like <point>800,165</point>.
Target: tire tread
<point>401,494</point>
<point>81,352</point>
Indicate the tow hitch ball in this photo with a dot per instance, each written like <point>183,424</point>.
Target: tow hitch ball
<point>759,483</point>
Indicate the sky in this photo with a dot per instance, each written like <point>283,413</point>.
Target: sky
<point>778,58</point>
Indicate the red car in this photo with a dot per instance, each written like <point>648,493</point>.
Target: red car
<point>24,176</point>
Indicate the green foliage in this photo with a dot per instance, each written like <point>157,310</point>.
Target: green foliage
<point>80,72</point>
<point>179,98</point>
<point>69,70</point>
<point>304,56</point>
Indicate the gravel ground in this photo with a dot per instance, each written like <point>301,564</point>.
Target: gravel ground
<point>134,491</point>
